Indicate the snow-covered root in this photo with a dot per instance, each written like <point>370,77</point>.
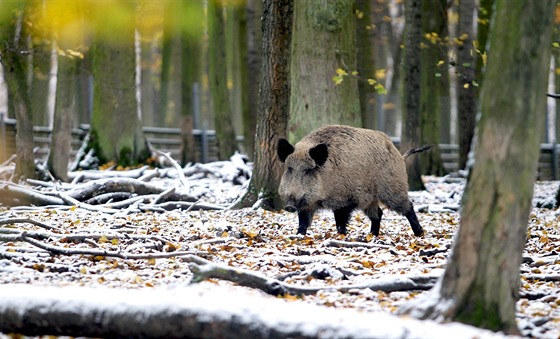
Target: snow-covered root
<point>199,311</point>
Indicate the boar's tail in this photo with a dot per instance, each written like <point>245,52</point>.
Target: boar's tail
<point>416,150</point>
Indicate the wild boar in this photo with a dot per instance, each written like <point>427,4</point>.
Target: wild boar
<point>343,168</point>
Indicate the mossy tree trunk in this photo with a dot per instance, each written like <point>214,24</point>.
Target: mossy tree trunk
<point>223,122</point>
<point>324,40</point>
<point>480,285</point>
<point>411,127</point>
<point>274,102</point>
<point>191,57</point>
<point>116,128</point>
<point>434,83</point>
<point>466,84</point>
<point>15,66</point>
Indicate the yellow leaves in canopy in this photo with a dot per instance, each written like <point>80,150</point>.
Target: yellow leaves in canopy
<point>74,23</point>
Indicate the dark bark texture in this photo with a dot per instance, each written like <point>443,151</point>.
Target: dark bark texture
<point>480,285</point>
<point>274,102</point>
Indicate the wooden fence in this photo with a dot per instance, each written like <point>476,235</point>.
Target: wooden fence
<point>169,140</point>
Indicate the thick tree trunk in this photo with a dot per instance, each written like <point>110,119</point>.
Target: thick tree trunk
<point>411,127</point>
<point>466,90</point>
<point>274,101</point>
<point>115,124</point>
<point>324,40</point>
<point>480,285</point>
<point>14,64</point>
<point>225,132</point>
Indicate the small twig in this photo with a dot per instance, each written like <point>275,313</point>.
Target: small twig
<point>353,244</point>
<point>28,221</point>
<point>10,159</point>
<point>103,253</point>
<point>164,196</point>
<point>176,165</point>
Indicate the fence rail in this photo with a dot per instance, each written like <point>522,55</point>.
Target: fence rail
<point>169,140</point>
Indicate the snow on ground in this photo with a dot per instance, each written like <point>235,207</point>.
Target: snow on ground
<point>263,242</point>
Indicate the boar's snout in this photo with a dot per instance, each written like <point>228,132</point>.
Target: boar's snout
<point>290,208</point>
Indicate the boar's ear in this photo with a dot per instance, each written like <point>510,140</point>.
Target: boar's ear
<point>284,149</point>
<point>319,153</point>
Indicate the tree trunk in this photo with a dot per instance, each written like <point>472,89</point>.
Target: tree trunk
<point>191,44</point>
<point>225,132</point>
<point>466,90</point>
<point>115,124</point>
<point>411,127</point>
<point>65,110</point>
<point>366,64</point>
<point>14,64</point>
<point>434,83</point>
<point>252,77</point>
<point>274,101</point>
<point>480,285</point>
<point>324,40</point>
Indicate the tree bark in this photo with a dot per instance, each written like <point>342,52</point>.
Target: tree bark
<point>366,63</point>
<point>225,132</point>
<point>411,127</point>
<point>115,124</point>
<point>191,59</point>
<point>14,62</point>
<point>466,88</point>
<point>434,83</point>
<point>274,102</point>
<point>324,40</point>
<point>480,285</point>
<point>253,77</point>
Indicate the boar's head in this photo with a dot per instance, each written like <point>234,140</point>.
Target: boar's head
<point>301,186</point>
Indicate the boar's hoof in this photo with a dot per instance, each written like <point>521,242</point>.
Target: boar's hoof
<point>290,208</point>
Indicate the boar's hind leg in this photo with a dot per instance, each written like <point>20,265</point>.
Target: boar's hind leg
<point>341,217</point>
<point>374,214</point>
<point>304,218</point>
<point>413,220</point>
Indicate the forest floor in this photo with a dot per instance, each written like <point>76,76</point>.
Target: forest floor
<point>265,243</point>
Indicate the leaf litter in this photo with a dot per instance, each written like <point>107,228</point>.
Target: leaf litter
<point>153,247</point>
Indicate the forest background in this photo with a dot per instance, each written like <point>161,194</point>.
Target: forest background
<point>119,65</point>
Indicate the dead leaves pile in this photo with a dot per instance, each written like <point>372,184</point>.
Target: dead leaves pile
<point>264,242</point>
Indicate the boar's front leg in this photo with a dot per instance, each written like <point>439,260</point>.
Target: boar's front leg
<point>304,217</point>
<point>341,217</point>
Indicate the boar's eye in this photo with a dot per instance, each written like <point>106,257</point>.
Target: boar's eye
<point>289,170</point>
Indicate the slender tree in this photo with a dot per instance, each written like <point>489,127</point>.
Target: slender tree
<point>65,110</point>
<point>434,83</point>
<point>324,41</point>
<point>366,63</point>
<point>274,102</point>
<point>411,127</point>
<point>466,84</point>
<point>223,123</point>
<point>480,285</point>
<point>252,77</point>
